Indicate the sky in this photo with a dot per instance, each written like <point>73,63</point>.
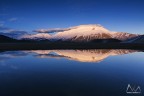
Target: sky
<point>29,15</point>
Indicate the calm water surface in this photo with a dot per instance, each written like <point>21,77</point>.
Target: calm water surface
<point>71,72</point>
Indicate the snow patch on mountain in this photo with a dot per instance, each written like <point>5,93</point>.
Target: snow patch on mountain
<point>123,35</point>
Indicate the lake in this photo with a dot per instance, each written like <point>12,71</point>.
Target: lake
<point>99,72</point>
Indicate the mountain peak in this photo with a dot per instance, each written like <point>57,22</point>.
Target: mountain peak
<point>89,27</point>
<point>83,31</point>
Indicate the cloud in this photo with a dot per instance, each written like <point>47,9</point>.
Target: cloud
<point>51,30</point>
<point>12,32</point>
<point>3,28</point>
<point>1,24</point>
<point>12,19</point>
<point>16,31</point>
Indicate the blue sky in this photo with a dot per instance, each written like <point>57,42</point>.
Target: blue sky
<point>115,15</point>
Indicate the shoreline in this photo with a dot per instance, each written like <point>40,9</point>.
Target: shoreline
<point>54,45</point>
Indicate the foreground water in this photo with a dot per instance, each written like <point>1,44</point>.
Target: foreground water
<point>72,73</point>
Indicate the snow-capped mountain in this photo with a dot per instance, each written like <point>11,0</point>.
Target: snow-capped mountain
<point>39,36</point>
<point>90,32</point>
<point>84,33</point>
<point>81,33</point>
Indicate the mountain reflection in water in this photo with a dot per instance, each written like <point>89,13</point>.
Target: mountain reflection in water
<point>96,55</point>
<point>70,72</point>
<point>81,55</point>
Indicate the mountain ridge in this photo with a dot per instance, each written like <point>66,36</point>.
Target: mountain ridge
<point>91,32</point>
<point>81,33</point>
